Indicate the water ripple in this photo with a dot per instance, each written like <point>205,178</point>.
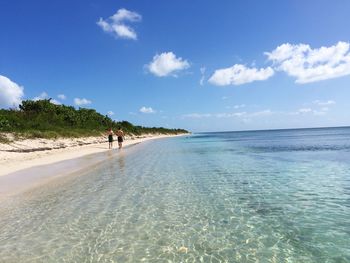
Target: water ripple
<point>177,201</point>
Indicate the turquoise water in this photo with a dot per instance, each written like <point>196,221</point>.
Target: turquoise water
<point>264,196</point>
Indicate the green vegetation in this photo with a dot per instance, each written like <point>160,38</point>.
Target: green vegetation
<point>3,139</point>
<point>43,119</point>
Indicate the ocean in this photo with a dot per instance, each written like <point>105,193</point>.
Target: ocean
<point>255,196</point>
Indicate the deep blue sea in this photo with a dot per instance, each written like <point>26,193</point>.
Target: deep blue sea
<point>255,196</point>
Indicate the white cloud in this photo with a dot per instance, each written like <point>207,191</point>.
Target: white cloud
<point>116,24</point>
<point>261,113</point>
<point>61,96</point>
<point>56,102</point>
<point>318,112</point>
<point>125,31</point>
<point>310,65</point>
<point>215,115</point>
<point>119,30</point>
<point>45,96</point>
<point>197,115</point>
<point>126,15</point>
<point>167,64</point>
<point>147,110</point>
<point>239,106</point>
<point>110,113</point>
<point>239,74</point>
<point>229,115</point>
<point>42,96</point>
<point>104,25</point>
<point>10,93</point>
<point>80,102</point>
<point>324,103</point>
<point>320,108</point>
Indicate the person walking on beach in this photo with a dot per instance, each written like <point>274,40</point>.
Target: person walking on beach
<point>120,135</point>
<point>110,138</point>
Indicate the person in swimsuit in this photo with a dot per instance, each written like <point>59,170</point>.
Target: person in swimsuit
<point>120,135</point>
<point>110,138</point>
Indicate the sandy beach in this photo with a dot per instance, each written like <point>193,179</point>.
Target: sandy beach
<point>28,153</point>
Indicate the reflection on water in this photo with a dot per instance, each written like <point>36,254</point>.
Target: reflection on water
<point>121,161</point>
<point>208,198</point>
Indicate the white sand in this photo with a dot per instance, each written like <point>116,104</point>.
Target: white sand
<point>61,150</point>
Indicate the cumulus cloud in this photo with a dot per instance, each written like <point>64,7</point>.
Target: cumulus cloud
<point>310,65</point>
<point>116,24</point>
<point>81,102</point>
<point>10,93</point>
<point>110,113</point>
<point>146,110</point>
<point>61,96</point>
<point>239,74</point>
<point>126,15</point>
<point>167,64</point>
<point>125,31</point>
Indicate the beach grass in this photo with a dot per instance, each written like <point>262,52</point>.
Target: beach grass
<point>8,137</point>
<point>62,133</point>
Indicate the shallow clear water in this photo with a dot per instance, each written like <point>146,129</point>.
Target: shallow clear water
<point>265,196</point>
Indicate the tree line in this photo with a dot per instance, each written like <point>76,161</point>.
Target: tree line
<point>42,118</point>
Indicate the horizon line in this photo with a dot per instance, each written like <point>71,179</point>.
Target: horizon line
<point>278,129</point>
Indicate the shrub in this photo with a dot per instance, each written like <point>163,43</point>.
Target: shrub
<point>43,119</point>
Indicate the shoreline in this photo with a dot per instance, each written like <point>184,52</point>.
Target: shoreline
<point>17,157</point>
<point>24,171</point>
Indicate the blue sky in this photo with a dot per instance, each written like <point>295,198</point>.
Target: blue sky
<point>199,65</point>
